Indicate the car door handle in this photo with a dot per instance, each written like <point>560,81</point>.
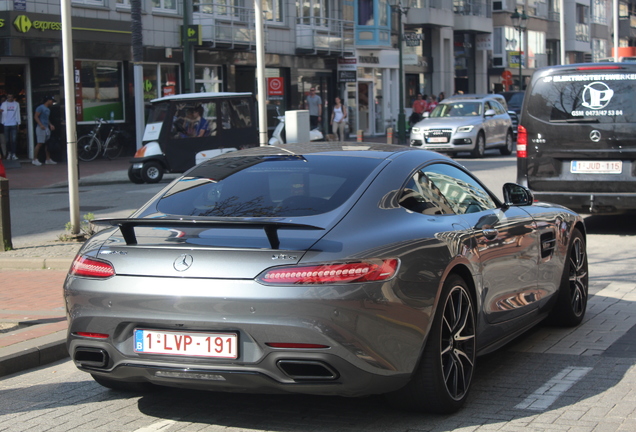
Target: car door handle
<point>490,233</point>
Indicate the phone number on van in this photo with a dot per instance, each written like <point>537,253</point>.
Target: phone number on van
<point>597,113</point>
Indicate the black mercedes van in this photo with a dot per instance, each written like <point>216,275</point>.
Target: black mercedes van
<point>577,137</point>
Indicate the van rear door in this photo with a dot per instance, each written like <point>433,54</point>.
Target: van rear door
<point>581,130</point>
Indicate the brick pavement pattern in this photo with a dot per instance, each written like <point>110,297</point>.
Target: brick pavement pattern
<point>33,298</point>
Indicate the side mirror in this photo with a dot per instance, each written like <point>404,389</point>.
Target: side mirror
<point>426,114</point>
<point>517,195</point>
<point>489,113</point>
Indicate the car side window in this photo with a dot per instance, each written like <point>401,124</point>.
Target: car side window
<point>498,108</point>
<point>463,193</point>
<point>420,195</point>
<point>487,106</point>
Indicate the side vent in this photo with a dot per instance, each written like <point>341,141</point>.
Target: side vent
<point>548,243</point>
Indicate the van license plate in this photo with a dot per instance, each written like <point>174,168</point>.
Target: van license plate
<point>221,345</point>
<point>596,167</point>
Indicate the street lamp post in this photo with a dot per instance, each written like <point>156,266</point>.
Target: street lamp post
<point>520,22</point>
<point>401,10</point>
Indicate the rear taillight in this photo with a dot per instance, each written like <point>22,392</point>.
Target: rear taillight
<point>522,142</point>
<point>84,266</point>
<point>336,273</point>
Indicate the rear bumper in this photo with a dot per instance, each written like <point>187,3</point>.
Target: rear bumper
<point>591,202</point>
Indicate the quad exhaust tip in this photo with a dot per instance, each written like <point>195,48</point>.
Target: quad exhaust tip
<point>91,357</point>
<point>307,370</point>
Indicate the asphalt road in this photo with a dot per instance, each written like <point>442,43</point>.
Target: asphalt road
<point>549,379</point>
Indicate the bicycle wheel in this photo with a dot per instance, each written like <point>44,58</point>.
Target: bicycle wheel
<point>114,147</point>
<point>88,148</point>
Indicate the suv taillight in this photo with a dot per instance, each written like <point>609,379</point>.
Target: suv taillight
<point>522,142</point>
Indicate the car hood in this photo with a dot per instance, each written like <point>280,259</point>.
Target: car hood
<point>449,122</point>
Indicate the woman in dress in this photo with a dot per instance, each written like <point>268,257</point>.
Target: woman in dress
<point>338,119</point>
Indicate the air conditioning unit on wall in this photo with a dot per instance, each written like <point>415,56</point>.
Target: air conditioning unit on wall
<point>499,5</point>
<point>497,61</point>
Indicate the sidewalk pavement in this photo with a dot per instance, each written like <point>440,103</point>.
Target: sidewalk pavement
<point>32,314</point>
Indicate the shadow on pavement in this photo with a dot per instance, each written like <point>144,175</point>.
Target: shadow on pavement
<point>611,224</point>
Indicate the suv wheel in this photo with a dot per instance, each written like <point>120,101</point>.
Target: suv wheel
<point>507,149</point>
<point>480,146</point>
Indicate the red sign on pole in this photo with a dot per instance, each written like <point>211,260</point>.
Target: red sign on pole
<point>275,87</point>
<point>506,74</point>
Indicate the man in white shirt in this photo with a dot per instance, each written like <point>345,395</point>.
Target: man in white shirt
<point>10,110</point>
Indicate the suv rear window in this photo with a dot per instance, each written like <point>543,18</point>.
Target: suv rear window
<point>584,97</point>
<point>267,186</point>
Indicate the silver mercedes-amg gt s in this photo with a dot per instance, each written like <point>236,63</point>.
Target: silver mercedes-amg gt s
<point>332,268</point>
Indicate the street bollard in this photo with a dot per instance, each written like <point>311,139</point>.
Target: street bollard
<point>360,135</point>
<point>389,135</point>
<point>5,216</point>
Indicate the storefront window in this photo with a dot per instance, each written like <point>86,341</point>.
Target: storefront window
<point>150,82</point>
<point>99,90</point>
<point>207,79</point>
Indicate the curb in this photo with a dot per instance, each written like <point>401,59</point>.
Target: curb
<point>33,353</point>
<point>35,263</point>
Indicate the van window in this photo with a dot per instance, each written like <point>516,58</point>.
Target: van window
<point>602,97</point>
<point>236,114</point>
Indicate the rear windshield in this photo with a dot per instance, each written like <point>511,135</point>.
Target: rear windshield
<point>584,97</point>
<point>267,186</point>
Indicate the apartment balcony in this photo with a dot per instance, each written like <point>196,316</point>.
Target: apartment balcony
<point>327,36</point>
<point>224,26</point>
<point>627,27</point>
<point>472,15</point>
<point>437,13</point>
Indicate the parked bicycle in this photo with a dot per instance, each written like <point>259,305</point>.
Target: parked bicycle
<point>90,146</point>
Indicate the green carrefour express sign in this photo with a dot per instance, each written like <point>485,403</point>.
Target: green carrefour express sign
<point>23,24</point>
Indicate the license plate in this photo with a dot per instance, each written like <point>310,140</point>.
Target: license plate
<point>596,167</point>
<point>437,140</point>
<point>199,344</point>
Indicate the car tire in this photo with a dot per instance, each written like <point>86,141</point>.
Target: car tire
<point>507,149</point>
<point>137,387</point>
<point>571,302</point>
<point>480,146</point>
<point>134,175</point>
<point>151,172</point>
<point>442,380</point>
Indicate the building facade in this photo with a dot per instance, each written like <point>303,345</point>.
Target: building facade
<point>345,48</point>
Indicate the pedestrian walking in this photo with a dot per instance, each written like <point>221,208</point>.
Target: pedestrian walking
<point>10,111</point>
<point>419,107</point>
<point>43,131</point>
<point>432,103</point>
<point>314,104</point>
<point>339,119</point>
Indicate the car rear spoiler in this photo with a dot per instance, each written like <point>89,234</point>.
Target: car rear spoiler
<point>127,226</point>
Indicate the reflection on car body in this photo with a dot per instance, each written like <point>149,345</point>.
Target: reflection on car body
<point>324,269</point>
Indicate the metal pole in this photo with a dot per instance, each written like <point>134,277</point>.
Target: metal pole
<point>401,115</point>
<point>69,109</point>
<point>260,74</point>
<point>520,54</point>
<point>615,16</point>
<point>187,52</point>
<point>562,31</point>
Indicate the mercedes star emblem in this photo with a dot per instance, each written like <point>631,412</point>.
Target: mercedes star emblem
<point>595,136</point>
<point>183,262</point>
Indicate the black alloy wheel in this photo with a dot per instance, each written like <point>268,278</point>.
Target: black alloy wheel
<point>443,378</point>
<point>571,303</point>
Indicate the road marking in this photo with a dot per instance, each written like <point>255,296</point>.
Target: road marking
<point>162,425</point>
<point>547,394</point>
